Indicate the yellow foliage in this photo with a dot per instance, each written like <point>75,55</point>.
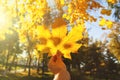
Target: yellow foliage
<point>2,37</point>
<point>112,1</point>
<point>58,22</point>
<point>60,3</point>
<point>94,4</point>
<point>42,31</point>
<point>106,12</point>
<point>107,23</point>
<point>66,16</point>
<point>77,9</point>
<point>102,22</point>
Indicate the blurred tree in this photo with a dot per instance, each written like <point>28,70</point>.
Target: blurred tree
<point>10,48</point>
<point>38,23</point>
<point>78,58</point>
<point>117,11</point>
<point>114,45</point>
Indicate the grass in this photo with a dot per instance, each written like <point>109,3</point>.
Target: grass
<point>47,76</point>
<point>23,76</point>
<point>75,75</point>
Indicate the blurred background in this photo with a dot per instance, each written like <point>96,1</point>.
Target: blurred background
<point>97,59</point>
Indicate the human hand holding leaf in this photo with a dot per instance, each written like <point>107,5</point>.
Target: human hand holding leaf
<point>57,66</point>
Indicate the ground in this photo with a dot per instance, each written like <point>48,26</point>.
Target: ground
<point>21,75</point>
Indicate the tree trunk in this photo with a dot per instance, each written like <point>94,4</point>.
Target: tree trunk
<point>15,67</point>
<point>25,67</point>
<point>38,65</point>
<point>13,62</point>
<point>6,64</point>
<point>43,67</point>
<point>29,64</point>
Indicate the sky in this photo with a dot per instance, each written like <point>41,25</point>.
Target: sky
<point>94,30</point>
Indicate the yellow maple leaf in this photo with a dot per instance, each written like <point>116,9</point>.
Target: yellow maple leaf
<point>67,55</point>
<point>58,38</point>
<point>75,33</point>
<point>43,48</point>
<point>69,42</point>
<point>59,28</point>
<point>43,35</point>
<point>68,48</point>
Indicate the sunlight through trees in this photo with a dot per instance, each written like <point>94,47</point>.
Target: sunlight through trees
<point>31,31</point>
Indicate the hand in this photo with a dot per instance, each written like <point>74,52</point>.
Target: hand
<point>56,64</point>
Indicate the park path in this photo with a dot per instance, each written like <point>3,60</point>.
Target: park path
<point>17,71</point>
